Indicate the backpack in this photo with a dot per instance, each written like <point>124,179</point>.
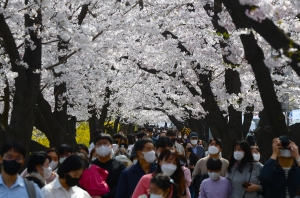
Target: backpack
<point>30,188</point>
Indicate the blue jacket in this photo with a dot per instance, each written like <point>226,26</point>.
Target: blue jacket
<point>129,179</point>
<point>200,151</point>
<point>274,183</point>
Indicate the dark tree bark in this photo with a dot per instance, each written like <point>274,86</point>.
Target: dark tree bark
<point>93,124</point>
<point>254,55</point>
<point>104,110</point>
<point>116,124</point>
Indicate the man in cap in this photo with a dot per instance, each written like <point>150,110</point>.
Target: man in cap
<point>198,150</point>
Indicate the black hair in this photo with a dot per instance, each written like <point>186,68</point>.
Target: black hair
<point>214,164</point>
<point>71,163</point>
<point>218,142</point>
<point>140,135</point>
<point>81,146</point>
<point>53,150</point>
<point>164,182</point>
<point>63,148</point>
<point>140,144</point>
<point>37,158</point>
<point>183,160</point>
<point>123,139</point>
<point>247,159</point>
<point>178,175</point>
<point>149,129</point>
<point>13,145</point>
<point>117,136</point>
<point>131,139</point>
<point>103,136</point>
<point>171,133</point>
<point>163,142</point>
<point>84,158</point>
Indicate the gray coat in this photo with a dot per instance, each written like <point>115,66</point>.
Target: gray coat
<point>237,179</point>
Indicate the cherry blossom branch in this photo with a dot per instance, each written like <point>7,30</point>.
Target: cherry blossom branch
<point>62,61</point>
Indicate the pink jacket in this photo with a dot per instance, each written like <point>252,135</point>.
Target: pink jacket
<point>188,180</point>
<point>93,181</point>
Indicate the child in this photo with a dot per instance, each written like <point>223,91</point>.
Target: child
<point>162,186</point>
<point>93,179</point>
<point>215,185</point>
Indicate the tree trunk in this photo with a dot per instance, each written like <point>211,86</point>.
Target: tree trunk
<point>104,110</point>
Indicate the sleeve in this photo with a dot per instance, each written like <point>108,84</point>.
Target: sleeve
<point>229,189</point>
<point>141,188</point>
<point>203,152</point>
<point>197,170</point>
<point>44,193</point>
<point>266,172</point>
<point>86,195</point>
<point>187,175</point>
<point>122,186</point>
<point>202,193</point>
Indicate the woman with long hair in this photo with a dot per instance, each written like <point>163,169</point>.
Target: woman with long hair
<point>242,172</point>
<point>168,164</point>
<point>122,147</point>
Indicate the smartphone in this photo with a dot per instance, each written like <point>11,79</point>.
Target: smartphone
<point>122,146</point>
<point>246,184</point>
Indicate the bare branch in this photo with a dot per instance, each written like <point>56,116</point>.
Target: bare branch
<point>97,35</point>
<point>62,61</point>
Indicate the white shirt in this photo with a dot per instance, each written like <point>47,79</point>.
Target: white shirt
<point>17,190</point>
<point>55,190</point>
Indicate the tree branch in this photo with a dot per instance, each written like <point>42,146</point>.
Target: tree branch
<point>62,61</point>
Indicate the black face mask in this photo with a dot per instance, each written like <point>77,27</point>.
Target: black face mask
<point>11,167</point>
<point>189,149</point>
<point>71,181</point>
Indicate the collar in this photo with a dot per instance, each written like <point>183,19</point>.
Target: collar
<point>19,182</point>
<point>139,167</point>
<point>57,185</point>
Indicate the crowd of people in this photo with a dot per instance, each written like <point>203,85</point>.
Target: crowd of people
<point>155,164</point>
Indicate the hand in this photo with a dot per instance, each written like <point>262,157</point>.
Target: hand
<point>123,150</point>
<point>117,150</point>
<point>192,166</point>
<point>276,145</point>
<point>252,188</point>
<point>294,150</point>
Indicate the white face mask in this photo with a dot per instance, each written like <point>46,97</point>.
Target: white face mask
<point>179,136</point>
<point>185,137</point>
<point>238,155</point>
<point>213,150</point>
<point>285,153</point>
<point>135,161</point>
<point>47,172</point>
<point>149,156</point>
<point>168,169</point>
<point>53,164</point>
<point>213,175</point>
<point>194,142</point>
<point>103,151</point>
<point>156,196</point>
<point>62,159</point>
<point>256,157</point>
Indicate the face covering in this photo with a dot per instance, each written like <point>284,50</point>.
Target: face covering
<point>135,161</point>
<point>213,150</point>
<point>213,175</point>
<point>62,159</point>
<point>185,137</point>
<point>238,155</point>
<point>194,142</point>
<point>103,151</point>
<point>158,154</point>
<point>149,156</point>
<point>168,169</point>
<point>190,149</point>
<point>47,172</point>
<point>256,157</point>
<point>156,196</point>
<point>71,181</point>
<point>179,136</point>
<point>53,164</point>
<point>285,153</point>
<point>11,167</point>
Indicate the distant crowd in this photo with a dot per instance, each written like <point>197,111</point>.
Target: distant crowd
<point>155,163</point>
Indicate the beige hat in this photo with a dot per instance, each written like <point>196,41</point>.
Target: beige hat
<point>123,158</point>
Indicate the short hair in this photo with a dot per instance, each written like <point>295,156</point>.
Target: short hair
<point>117,135</point>
<point>37,158</point>
<point>140,144</point>
<point>149,129</point>
<point>81,146</point>
<point>71,163</point>
<point>162,181</point>
<point>13,145</point>
<point>171,133</point>
<point>53,150</point>
<point>214,164</point>
<point>103,136</point>
<point>218,142</point>
<point>163,142</point>
<point>140,135</point>
<point>97,132</point>
<point>64,147</point>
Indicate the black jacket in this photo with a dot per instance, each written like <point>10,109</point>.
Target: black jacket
<point>114,169</point>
